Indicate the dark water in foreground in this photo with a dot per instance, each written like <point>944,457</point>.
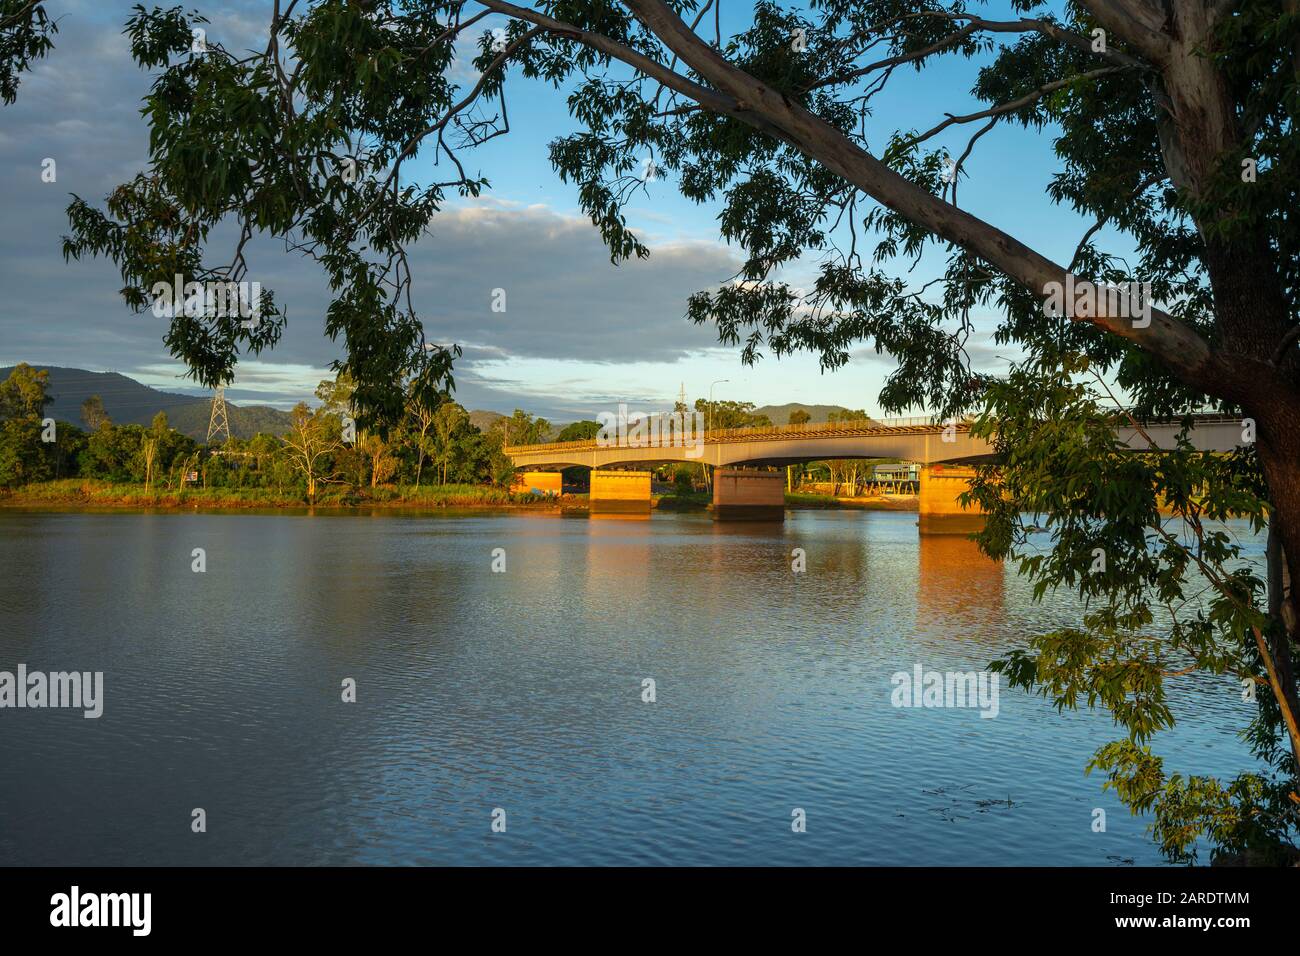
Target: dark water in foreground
<point>522,690</point>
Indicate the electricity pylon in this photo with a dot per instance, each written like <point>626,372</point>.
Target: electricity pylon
<point>218,422</point>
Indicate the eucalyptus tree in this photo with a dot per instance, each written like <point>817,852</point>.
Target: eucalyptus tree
<point>1172,126</point>
<point>450,424</point>
<point>25,393</point>
<point>584,430</point>
<point>310,444</point>
<point>93,413</point>
<point>521,428</point>
<point>730,414</point>
<point>150,443</point>
<point>26,34</point>
<point>421,413</point>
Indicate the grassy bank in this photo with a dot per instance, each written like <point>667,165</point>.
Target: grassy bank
<point>103,494</point>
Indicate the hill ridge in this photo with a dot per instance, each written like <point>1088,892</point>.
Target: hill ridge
<point>129,402</point>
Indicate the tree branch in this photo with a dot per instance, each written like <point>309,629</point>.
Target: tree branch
<point>1184,351</point>
<point>1011,106</point>
<point>651,68</point>
<point>1049,28</point>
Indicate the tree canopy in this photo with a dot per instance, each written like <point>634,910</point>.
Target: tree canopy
<point>26,35</point>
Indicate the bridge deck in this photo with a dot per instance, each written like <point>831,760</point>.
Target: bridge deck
<point>867,428</point>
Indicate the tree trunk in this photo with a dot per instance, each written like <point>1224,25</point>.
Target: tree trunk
<point>1279,451</point>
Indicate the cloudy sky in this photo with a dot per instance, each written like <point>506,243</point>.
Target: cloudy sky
<point>578,334</point>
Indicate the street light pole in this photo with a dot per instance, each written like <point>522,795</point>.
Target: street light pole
<point>721,381</point>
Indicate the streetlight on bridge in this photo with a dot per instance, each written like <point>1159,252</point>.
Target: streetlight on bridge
<point>709,411</point>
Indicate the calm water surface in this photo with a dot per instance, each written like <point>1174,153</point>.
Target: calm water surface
<point>522,690</point>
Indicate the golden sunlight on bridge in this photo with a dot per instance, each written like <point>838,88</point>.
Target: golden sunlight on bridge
<point>745,461</point>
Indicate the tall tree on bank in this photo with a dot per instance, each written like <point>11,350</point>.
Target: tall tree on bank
<point>25,393</point>
<point>379,456</point>
<point>310,444</point>
<point>449,423</point>
<point>93,413</point>
<point>23,447</point>
<point>1173,124</point>
<point>521,428</point>
<point>150,443</point>
<point>421,414</point>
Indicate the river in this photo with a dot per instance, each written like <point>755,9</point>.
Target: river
<point>522,690</point>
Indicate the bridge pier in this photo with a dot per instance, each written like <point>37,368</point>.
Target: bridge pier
<point>939,511</point>
<point>748,495</point>
<point>538,482</point>
<point>620,492</point>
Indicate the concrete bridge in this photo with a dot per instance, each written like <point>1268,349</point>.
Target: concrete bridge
<point>744,486</point>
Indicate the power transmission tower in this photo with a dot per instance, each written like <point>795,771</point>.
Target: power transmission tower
<point>217,422</point>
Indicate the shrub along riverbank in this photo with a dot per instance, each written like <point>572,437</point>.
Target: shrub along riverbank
<point>104,494</point>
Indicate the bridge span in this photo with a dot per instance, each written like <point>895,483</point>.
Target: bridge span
<point>743,487</point>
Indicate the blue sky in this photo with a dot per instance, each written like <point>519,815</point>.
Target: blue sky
<point>579,334</point>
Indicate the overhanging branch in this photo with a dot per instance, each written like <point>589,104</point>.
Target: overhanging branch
<point>736,93</point>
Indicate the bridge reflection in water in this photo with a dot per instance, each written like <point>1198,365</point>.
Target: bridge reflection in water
<point>955,580</point>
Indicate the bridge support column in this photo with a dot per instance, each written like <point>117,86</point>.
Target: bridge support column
<point>940,511</point>
<point>620,492</point>
<point>538,482</point>
<point>748,495</point>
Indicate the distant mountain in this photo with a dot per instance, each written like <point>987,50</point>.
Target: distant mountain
<point>484,420</point>
<point>780,414</point>
<point>127,402</point>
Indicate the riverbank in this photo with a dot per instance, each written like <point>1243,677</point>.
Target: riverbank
<point>103,494</point>
<point>77,493</point>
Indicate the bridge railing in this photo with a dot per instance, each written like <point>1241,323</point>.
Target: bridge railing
<point>864,426</point>
<point>907,422</point>
<point>917,425</point>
